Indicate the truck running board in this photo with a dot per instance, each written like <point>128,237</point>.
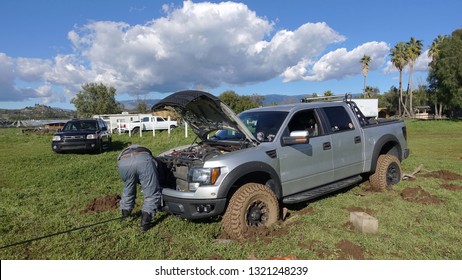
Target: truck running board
<point>320,191</point>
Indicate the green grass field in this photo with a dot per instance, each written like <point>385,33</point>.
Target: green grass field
<point>43,193</point>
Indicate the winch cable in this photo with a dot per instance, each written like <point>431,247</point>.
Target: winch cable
<point>58,233</point>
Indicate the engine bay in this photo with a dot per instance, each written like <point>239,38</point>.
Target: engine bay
<point>177,162</point>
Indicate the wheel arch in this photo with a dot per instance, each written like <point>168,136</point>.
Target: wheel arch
<point>256,172</point>
<point>387,144</point>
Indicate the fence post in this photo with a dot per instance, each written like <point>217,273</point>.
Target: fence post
<point>153,127</point>
<point>141,128</point>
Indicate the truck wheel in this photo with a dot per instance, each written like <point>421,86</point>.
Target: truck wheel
<point>252,205</point>
<point>136,130</point>
<point>387,173</point>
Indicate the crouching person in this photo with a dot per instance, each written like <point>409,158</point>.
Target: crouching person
<point>137,165</point>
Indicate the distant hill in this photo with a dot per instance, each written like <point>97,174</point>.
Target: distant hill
<point>41,112</point>
<point>37,112</point>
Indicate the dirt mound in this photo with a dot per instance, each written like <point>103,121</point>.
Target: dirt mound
<point>266,233</point>
<point>350,250</point>
<point>419,195</point>
<point>451,187</point>
<point>443,174</point>
<point>290,257</point>
<point>105,203</point>
<point>367,188</point>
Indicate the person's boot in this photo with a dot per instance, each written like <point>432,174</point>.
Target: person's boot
<point>126,213</point>
<point>146,219</point>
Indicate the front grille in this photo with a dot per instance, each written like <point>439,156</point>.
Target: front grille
<point>74,137</point>
<point>74,147</point>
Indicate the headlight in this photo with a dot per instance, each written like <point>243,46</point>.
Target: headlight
<point>56,138</point>
<point>202,176</point>
<point>92,136</point>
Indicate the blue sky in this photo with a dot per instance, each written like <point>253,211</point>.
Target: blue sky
<point>148,49</point>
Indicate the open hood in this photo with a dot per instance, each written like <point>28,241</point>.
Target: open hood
<point>204,112</point>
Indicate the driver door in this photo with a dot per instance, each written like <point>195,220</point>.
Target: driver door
<point>307,165</point>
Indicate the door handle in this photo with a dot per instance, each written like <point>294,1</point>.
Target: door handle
<point>326,146</point>
<point>357,139</point>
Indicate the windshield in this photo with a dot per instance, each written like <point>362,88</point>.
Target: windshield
<point>80,126</point>
<point>263,125</point>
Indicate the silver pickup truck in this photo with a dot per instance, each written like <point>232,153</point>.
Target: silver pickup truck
<point>245,167</point>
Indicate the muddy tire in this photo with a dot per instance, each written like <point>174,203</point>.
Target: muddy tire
<point>387,173</point>
<point>252,205</point>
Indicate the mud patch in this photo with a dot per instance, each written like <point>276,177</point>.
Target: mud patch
<point>367,188</point>
<point>451,187</point>
<point>443,174</point>
<point>266,234</point>
<point>252,257</point>
<point>349,250</point>
<point>101,204</point>
<point>419,195</point>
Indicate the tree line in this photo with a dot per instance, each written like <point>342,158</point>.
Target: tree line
<point>444,88</point>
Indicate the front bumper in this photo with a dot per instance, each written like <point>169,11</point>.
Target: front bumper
<point>193,209</point>
<point>88,145</point>
<point>406,153</point>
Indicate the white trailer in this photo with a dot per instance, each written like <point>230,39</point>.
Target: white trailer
<point>368,106</point>
<point>119,122</point>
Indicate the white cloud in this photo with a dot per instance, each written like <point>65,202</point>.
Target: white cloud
<point>198,44</point>
<point>338,64</point>
<point>9,73</point>
<point>31,69</point>
<point>421,65</point>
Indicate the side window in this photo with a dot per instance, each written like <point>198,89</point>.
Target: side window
<point>305,120</point>
<point>101,124</point>
<point>159,119</point>
<point>338,118</point>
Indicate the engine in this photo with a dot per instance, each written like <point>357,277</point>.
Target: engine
<point>177,162</point>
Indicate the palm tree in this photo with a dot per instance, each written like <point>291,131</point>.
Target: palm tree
<point>399,60</point>
<point>365,60</point>
<point>413,49</point>
<point>433,52</point>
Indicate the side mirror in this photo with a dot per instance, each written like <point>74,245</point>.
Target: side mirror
<point>296,137</point>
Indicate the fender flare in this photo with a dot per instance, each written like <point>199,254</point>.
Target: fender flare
<point>380,144</point>
<point>246,169</point>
